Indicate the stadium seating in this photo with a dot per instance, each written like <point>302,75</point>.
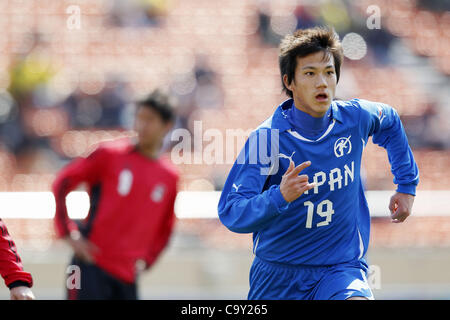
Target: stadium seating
<point>226,32</point>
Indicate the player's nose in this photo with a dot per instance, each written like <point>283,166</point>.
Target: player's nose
<point>321,82</point>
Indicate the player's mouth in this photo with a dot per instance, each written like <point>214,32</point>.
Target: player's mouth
<point>321,97</point>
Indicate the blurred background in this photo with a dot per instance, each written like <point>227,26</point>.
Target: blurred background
<point>70,70</point>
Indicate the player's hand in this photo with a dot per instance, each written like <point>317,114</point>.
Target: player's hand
<point>21,293</point>
<point>400,206</point>
<point>82,248</point>
<point>140,266</point>
<point>292,185</point>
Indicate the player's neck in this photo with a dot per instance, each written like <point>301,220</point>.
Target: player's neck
<point>307,124</point>
<point>304,117</point>
<point>151,152</point>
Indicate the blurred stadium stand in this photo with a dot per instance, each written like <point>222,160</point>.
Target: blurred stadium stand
<point>63,89</point>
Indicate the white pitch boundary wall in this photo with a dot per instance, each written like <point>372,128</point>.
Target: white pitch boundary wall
<point>41,205</point>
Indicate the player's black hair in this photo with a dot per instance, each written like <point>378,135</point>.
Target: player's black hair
<point>161,103</point>
<point>304,42</point>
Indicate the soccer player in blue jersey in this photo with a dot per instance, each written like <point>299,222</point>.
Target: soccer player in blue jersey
<point>296,184</point>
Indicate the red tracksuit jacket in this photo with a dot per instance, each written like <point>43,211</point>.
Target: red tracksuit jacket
<point>11,267</point>
<point>132,205</point>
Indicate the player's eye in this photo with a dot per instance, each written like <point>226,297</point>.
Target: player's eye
<point>309,73</point>
<point>330,72</point>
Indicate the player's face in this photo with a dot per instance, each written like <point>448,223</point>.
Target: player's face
<point>314,84</point>
<point>150,127</point>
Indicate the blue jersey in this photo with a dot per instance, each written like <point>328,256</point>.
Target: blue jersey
<point>330,223</point>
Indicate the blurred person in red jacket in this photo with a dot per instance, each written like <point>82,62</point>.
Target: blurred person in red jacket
<point>132,190</point>
<point>16,279</point>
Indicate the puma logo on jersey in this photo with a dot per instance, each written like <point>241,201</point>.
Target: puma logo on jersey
<point>381,114</point>
<point>236,188</point>
<point>283,156</point>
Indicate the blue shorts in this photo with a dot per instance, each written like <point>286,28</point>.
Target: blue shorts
<point>275,281</point>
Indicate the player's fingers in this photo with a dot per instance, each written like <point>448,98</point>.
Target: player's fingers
<point>399,220</point>
<point>392,204</point>
<point>396,208</point>
<point>290,168</point>
<point>302,187</point>
<point>309,186</point>
<point>303,178</point>
<point>28,295</point>
<point>402,212</point>
<point>398,212</point>
<point>300,167</point>
<point>20,296</point>
<point>397,217</point>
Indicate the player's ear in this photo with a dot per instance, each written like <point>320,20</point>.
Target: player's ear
<point>289,85</point>
<point>286,83</point>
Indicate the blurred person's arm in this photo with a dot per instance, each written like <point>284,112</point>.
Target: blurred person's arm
<point>87,170</point>
<point>386,129</point>
<point>16,279</point>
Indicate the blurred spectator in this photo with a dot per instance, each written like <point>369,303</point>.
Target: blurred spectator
<point>423,130</point>
<point>208,92</point>
<point>268,36</point>
<point>30,72</point>
<point>83,110</point>
<point>103,110</point>
<point>11,130</point>
<point>138,13</point>
<point>200,89</point>
<point>335,13</point>
<point>113,99</point>
<point>306,16</point>
<point>434,5</point>
<point>379,41</point>
<point>36,157</point>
